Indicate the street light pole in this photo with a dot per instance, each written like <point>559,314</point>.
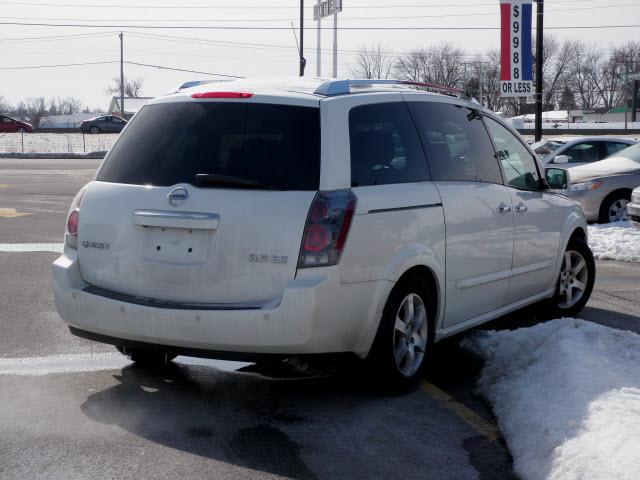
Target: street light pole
<point>302,60</point>
<point>539,56</point>
<point>121,76</point>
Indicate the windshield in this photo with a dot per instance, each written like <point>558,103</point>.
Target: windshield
<point>272,145</point>
<point>545,147</point>
<point>632,153</point>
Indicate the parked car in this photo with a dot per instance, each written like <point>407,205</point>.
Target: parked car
<point>603,188</point>
<point>633,208</point>
<point>8,124</point>
<point>292,218</point>
<point>579,150</point>
<point>103,124</point>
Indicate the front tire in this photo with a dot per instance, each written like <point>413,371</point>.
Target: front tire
<point>22,130</point>
<point>94,130</point>
<point>614,207</point>
<point>576,279</point>
<point>405,336</point>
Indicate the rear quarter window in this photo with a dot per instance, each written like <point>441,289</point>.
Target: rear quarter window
<point>170,143</point>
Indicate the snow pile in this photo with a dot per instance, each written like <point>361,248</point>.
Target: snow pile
<point>615,241</point>
<point>55,142</point>
<point>566,394</point>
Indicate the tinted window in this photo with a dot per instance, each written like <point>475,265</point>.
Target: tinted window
<point>613,148</point>
<point>518,165</point>
<point>385,147</point>
<point>456,142</point>
<point>584,152</point>
<point>165,144</point>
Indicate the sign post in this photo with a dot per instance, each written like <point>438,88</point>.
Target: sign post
<point>326,8</point>
<point>516,74</point>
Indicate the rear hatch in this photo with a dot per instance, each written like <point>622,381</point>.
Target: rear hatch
<point>202,202</point>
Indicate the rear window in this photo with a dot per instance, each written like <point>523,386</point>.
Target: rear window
<point>170,143</point>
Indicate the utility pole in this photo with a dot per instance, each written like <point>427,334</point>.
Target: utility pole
<point>318,42</point>
<point>539,56</point>
<point>626,94</point>
<point>121,76</point>
<point>302,60</point>
<point>335,38</point>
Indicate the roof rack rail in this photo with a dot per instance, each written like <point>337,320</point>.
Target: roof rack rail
<point>343,87</point>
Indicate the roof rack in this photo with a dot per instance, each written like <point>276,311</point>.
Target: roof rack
<point>343,87</point>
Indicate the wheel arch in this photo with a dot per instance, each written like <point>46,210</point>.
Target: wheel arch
<point>618,192</point>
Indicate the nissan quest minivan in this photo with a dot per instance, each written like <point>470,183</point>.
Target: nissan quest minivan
<point>301,217</point>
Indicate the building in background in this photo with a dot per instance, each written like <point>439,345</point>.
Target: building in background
<point>131,106</point>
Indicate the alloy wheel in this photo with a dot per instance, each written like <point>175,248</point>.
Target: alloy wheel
<point>573,279</point>
<point>410,334</point>
<point>618,210</point>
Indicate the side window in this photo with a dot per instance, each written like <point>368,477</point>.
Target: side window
<point>613,147</point>
<point>385,147</point>
<point>518,165</point>
<point>584,152</point>
<point>456,143</point>
<point>7,120</point>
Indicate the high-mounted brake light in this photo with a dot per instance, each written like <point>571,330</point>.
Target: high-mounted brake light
<point>222,95</point>
<point>73,221</point>
<point>327,227</point>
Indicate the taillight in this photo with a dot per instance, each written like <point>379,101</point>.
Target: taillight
<point>327,227</point>
<point>73,221</point>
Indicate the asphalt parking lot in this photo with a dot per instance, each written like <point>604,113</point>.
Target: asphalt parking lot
<point>204,421</point>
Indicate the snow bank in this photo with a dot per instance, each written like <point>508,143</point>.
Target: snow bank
<point>566,394</point>
<point>615,241</point>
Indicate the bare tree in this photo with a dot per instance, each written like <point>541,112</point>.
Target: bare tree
<point>4,105</point>
<point>35,109</point>
<point>372,62</point>
<point>442,64</point>
<point>69,105</point>
<point>132,88</point>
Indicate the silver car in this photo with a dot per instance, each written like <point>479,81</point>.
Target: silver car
<point>575,151</point>
<point>633,208</point>
<point>604,188</point>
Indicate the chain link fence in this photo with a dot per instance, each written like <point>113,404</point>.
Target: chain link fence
<point>55,142</point>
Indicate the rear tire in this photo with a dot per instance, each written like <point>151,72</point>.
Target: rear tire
<point>614,207</point>
<point>404,340</point>
<point>575,284</point>
<point>147,358</point>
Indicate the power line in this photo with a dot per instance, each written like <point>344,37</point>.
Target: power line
<point>161,67</point>
<point>402,17</point>
<point>58,65</point>
<point>236,27</point>
<point>258,6</point>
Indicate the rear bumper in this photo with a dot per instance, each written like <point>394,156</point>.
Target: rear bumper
<point>633,212</point>
<point>315,315</point>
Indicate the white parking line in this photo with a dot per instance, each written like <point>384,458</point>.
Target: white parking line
<point>31,247</point>
<point>87,362</point>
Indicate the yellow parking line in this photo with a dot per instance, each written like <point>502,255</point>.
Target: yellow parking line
<point>474,420</point>
<point>5,185</point>
<point>11,213</point>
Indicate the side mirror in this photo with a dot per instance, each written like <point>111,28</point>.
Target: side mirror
<point>557,178</point>
<point>562,159</point>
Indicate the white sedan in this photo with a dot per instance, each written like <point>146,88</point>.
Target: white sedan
<point>574,151</point>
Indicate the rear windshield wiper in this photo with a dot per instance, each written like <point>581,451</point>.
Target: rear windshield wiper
<point>229,181</point>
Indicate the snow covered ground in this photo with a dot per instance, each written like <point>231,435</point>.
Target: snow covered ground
<point>566,394</point>
<point>55,142</point>
<point>615,241</point>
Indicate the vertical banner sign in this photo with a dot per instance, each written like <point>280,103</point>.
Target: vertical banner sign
<point>516,75</point>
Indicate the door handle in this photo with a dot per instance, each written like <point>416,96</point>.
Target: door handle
<point>521,207</point>
<point>503,208</point>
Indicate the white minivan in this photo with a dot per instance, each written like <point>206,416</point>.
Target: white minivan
<point>302,217</point>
